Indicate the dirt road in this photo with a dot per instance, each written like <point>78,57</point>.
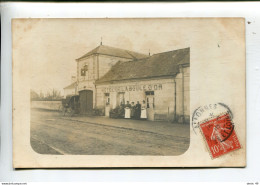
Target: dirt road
<point>53,134</point>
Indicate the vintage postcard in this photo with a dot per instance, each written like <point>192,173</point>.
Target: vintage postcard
<point>129,92</point>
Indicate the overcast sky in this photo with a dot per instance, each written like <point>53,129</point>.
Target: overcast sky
<point>54,44</point>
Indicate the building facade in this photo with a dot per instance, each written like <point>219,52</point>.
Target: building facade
<point>94,65</point>
<point>108,77</point>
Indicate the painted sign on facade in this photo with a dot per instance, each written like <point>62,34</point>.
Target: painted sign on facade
<point>145,87</point>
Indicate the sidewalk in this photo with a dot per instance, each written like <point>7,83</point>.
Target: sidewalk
<point>159,127</point>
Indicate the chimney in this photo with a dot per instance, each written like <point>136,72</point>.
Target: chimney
<point>101,42</point>
<point>149,53</point>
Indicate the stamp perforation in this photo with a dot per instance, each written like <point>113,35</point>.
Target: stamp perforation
<point>219,134</point>
<point>213,117</point>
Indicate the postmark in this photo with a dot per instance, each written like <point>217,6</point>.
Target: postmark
<point>206,112</point>
<point>214,121</point>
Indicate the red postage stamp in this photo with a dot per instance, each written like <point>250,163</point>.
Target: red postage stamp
<point>220,135</point>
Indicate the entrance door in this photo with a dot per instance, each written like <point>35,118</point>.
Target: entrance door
<point>107,104</point>
<point>86,101</point>
<point>150,104</point>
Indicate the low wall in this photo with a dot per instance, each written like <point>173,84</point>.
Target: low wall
<point>48,105</point>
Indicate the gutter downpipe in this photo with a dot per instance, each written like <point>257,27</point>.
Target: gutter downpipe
<point>182,94</point>
<point>97,71</point>
<point>175,119</point>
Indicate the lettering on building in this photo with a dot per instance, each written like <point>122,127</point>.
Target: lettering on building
<point>146,87</point>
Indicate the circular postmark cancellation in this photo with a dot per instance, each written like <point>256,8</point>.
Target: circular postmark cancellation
<point>215,124</point>
<point>222,127</point>
<point>207,112</point>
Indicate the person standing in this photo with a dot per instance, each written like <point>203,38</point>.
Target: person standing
<point>121,111</point>
<point>137,110</point>
<point>143,111</point>
<point>132,110</point>
<point>127,110</point>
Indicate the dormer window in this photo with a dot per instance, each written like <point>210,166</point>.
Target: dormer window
<point>84,69</point>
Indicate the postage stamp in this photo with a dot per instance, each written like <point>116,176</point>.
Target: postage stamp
<point>220,135</point>
<point>215,122</point>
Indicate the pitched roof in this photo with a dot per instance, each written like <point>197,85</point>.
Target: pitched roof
<point>161,64</point>
<point>71,86</point>
<point>111,51</point>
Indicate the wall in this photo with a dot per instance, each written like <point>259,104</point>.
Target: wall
<point>90,74</point>
<point>48,105</point>
<point>183,99</point>
<point>187,94</point>
<point>135,91</point>
<point>164,98</point>
<point>98,65</point>
<point>87,82</point>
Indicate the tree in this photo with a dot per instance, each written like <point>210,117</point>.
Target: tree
<point>53,94</point>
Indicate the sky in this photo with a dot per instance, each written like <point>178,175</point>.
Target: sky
<point>50,46</point>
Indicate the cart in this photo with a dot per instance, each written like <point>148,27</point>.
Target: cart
<point>70,105</point>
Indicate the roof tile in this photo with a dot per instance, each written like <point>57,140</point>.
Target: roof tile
<point>111,51</point>
<point>161,64</point>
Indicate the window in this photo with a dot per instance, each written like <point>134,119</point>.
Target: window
<point>84,70</point>
<point>149,93</point>
<point>121,98</point>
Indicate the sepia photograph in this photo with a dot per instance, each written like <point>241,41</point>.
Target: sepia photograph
<point>118,98</point>
<point>129,92</point>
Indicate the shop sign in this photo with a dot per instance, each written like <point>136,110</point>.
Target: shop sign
<point>148,87</point>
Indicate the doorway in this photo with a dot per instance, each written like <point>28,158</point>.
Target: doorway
<point>107,104</point>
<point>86,101</point>
<point>149,96</point>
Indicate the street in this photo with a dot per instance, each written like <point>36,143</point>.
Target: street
<point>52,133</point>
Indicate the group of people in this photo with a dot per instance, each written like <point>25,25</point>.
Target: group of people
<point>135,111</point>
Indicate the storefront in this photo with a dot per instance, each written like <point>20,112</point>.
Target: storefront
<point>161,82</point>
<point>157,95</point>
<point>107,78</point>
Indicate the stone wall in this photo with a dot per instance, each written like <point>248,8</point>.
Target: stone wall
<point>47,105</point>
